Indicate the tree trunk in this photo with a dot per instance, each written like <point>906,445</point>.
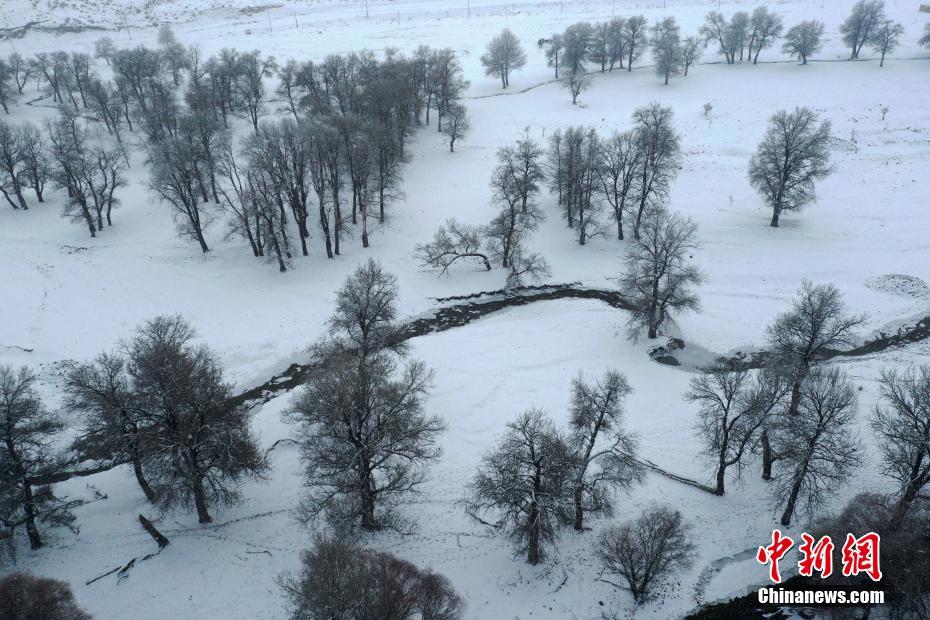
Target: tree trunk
<point>157,536</point>
<point>653,323</point>
<point>369,522</point>
<point>140,476</point>
<point>203,244</point>
<point>767,456</point>
<point>304,234</point>
<point>720,489</point>
<point>532,547</point>
<point>200,501</point>
<point>775,213</point>
<point>35,540</point>
<point>579,509</point>
<point>792,501</point>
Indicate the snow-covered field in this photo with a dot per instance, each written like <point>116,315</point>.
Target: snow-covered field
<point>65,296</point>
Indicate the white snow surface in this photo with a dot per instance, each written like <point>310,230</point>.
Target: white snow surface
<point>65,296</point>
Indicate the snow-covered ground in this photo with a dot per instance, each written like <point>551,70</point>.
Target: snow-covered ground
<point>65,296</point>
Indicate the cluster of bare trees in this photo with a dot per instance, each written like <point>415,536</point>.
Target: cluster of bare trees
<point>23,163</point>
<point>611,44</point>
<point>343,149</point>
<point>867,25</point>
<point>73,158</point>
<point>750,34</point>
<point>540,478</point>
<point>160,403</point>
<point>743,36</point>
<point>339,579</point>
<point>337,163</point>
<point>631,171</point>
<point>799,415</point>
<point>802,416</point>
<point>365,438</point>
<point>515,184</point>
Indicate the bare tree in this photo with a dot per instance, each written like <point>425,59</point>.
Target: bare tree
<point>104,48</point>
<point>526,266</point>
<point>282,151</point>
<point>249,86</point>
<point>691,49</point>
<point>735,405</point>
<point>517,218</point>
<point>366,308</point>
<point>574,163</point>
<point>525,481</point>
<point>198,448</point>
<point>738,32</point>
<point>337,579</point>
<point>7,87</point>
<point>452,242</point>
<point>21,70</point>
<point>604,451</point>
<point>68,148</point>
<point>25,597</point>
<point>886,38</point>
<point>646,551</point>
<point>36,167</point>
<point>765,28</point>
<point>616,42</point>
<point>102,390</point>
<point>635,38</point>
<point>176,178</point>
<point>666,48</point>
<point>553,50</point>
<point>288,78</point>
<point>576,81</point>
<point>658,277</point>
<point>522,164</point>
<point>365,438</point>
<point>504,54</point>
<point>174,55</point>
<point>818,445</point>
<point>618,173</point>
<point>717,29</point>
<point>803,40</point>
<point>658,145</point>
<point>457,124</point>
<point>816,323</point>
<point>599,45</point>
<point>925,40</point>
<point>576,43</point>
<point>862,24</point>
<point>27,433</point>
<point>794,153</point>
<point>902,424</point>
<point>11,165</point>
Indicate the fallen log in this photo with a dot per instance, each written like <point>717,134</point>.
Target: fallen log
<point>157,536</point>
